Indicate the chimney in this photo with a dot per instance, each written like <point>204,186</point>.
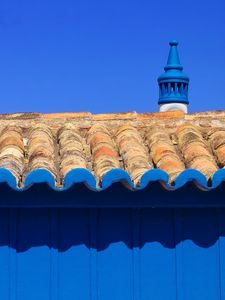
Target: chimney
<point>173,84</point>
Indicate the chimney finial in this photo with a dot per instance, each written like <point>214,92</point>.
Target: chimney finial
<point>173,84</point>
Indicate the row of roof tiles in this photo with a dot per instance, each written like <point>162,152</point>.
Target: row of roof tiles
<point>102,148</point>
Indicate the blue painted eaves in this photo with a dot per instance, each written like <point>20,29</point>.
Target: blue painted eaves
<point>115,175</point>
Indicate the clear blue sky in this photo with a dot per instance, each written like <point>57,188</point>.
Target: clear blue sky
<point>105,56</point>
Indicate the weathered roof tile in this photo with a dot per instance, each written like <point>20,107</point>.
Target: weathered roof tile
<point>217,142</point>
<point>71,149</point>
<point>104,153</point>
<point>133,152</point>
<point>163,152</point>
<point>196,152</point>
<point>12,151</point>
<point>41,149</point>
<point>135,143</point>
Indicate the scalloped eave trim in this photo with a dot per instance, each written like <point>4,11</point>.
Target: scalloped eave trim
<point>115,175</point>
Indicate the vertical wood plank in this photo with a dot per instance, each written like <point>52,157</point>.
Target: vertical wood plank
<point>200,254</point>
<point>178,241</point>
<point>221,232</point>
<point>12,254</point>
<point>93,254</point>
<point>4,253</point>
<point>115,254</point>
<point>136,253</point>
<point>158,265</point>
<point>54,282</point>
<point>74,254</point>
<point>33,245</point>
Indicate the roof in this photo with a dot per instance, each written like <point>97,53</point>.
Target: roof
<point>135,149</point>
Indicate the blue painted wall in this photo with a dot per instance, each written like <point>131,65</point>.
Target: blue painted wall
<point>111,253</point>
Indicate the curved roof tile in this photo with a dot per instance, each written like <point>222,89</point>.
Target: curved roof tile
<point>98,150</point>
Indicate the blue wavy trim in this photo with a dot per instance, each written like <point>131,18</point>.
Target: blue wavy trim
<point>39,176</point>
<point>153,175</point>
<point>80,175</point>
<point>8,177</point>
<point>116,175</point>
<point>191,175</point>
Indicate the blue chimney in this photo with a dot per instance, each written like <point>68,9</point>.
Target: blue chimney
<point>173,84</point>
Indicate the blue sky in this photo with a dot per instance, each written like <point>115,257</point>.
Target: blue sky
<point>105,56</point>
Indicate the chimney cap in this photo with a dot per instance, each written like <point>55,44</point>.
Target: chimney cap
<point>173,83</point>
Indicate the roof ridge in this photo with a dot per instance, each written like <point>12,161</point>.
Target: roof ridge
<point>116,116</point>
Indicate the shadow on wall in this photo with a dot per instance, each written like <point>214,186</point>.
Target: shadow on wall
<point>64,228</point>
<point>154,195</point>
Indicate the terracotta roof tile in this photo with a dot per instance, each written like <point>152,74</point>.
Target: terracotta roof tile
<point>41,149</point>
<point>133,152</point>
<point>104,154</point>
<point>196,151</point>
<point>132,142</point>
<point>71,149</point>
<point>163,152</point>
<point>217,142</point>
<point>12,151</point>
